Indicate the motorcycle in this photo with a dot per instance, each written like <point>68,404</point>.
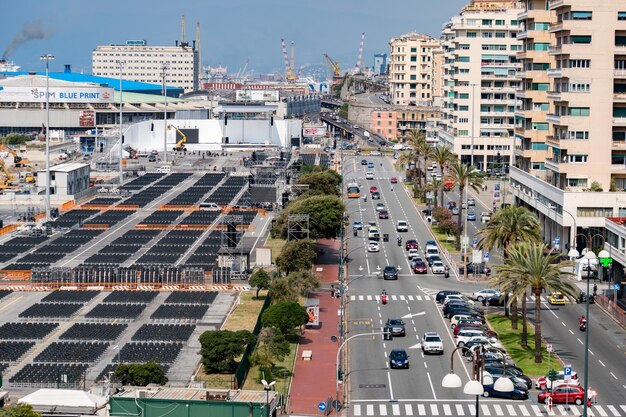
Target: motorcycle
<point>356,232</point>
<point>399,242</point>
<point>446,272</point>
<point>384,298</point>
<point>583,326</point>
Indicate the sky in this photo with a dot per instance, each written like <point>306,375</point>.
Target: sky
<point>232,31</point>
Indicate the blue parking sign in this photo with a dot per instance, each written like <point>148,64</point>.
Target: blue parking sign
<point>567,370</point>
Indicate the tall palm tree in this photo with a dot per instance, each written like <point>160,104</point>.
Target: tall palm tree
<point>427,153</point>
<point>443,156</point>
<point>508,226</point>
<point>464,176</point>
<point>436,186</point>
<point>528,263</point>
<point>415,140</point>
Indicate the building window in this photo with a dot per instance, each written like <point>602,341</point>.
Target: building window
<point>593,211</point>
<point>463,132</point>
<point>464,95</point>
<point>463,108</point>
<point>540,46</point>
<point>541,26</point>
<point>581,15</point>
<point>578,111</point>
<point>577,159</point>
<point>580,63</point>
<point>538,166</point>
<point>578,182</point>
<point>499,22</point>
<point>578,135</point>
<point>500,34</point>
<point>414,50</point>
<point>580,39</point>
<point>464,59</point>
<point>539,146</point>
<point>487,34</point>
<point>487,22</point>
<point>540,126</point>
<point>471,34</point>
<point>463,120</point>
<point>621,15</point>
<point>464,47</point>
<point>471,21</point>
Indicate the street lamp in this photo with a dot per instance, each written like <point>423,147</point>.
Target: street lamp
<point>121,65</point>
<point>267,387</point>
<point>164,68</point>
<point>481,378</point>
<point>47,58</point>
<point>589,256</point>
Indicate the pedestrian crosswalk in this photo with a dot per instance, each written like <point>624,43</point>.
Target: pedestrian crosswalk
<point>425,297</point>
<point>487,408</point>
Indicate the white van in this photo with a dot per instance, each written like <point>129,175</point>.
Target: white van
<point>209,207</point>
<point>165,169</point>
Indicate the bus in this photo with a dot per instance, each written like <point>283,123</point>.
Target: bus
<point>353,190</point>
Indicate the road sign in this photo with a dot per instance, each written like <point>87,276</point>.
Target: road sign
<point>475,241</point>
<point>616,287</point>
<point>486,256</point>
<point>567,372</point>
<point>477,256</point>
<point>337,405</point>
<point>549,347</point>
<point>321,406</point>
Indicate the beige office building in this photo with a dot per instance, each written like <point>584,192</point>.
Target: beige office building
<point>481,76</point>
<point>144,63</point>
<point>583,100</point>
<point>413,66</point>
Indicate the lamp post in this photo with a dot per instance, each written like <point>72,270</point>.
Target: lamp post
<point>476,386</point>
<point>121,65</point>
<point>589,256</point>
<point>267,386</point>
<point>164,68</point>
<point>47,58</point>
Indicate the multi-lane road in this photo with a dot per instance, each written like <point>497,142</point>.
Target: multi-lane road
<point>375,389</point>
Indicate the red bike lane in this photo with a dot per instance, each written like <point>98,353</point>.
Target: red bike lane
<point>314,380</point>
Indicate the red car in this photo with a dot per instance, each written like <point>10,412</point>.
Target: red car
<point>373,189</point>
<point>394,180</point>
<point>420,267</point>
<point>411,244</point>
<point>383,214</point>
<point>564,393</point>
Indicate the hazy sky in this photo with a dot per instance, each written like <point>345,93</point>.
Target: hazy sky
<point>232,31</point>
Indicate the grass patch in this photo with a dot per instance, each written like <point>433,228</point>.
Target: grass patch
<point>281,373</point>
<point>276,245</point>
<point>442,238</point>
<point>523,357</point>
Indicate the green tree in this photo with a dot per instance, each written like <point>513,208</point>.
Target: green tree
<point>219,348</point>
<point>304,281</point>
<point>19,410</point>
<point>464,176</point>
<point>436,187</point>
<point>325,215</point>
<point>527,263</point>
<point>272,347</point>
<point>324,182</point>
<point>507,226</point>
<point>261,280</point>
<point>140,374</point>
<point>296,255</point>
<point>15,139</point>
<point>427,153</point>
<point>284,316</point>
<point>443,156</point>
<point>282,290</point>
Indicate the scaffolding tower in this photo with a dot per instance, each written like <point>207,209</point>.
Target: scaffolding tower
<point>297,227</point>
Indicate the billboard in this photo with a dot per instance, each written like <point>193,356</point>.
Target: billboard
<point>314,131</point>
<point>94,94</point>
<point>87,118</point>
<point>256,95</point>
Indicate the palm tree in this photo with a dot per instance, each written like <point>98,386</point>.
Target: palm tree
<point>436,186</point>
<point>528,263</point>
<point>464,176</point>
<point>427,152</point>
<point>415,139</point>
<point>508,226</point>
<point>443,156</point>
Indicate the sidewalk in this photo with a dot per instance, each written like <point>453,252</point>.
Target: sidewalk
<point>314,381</point>
<point>486,197</point>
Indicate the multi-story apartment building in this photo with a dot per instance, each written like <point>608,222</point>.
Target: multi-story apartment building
<point>394,122</point>
<point>144,63</point>
<point>533,107</point>
<point>412,66</point>
<point>584,85</point>
<point>481,76</point>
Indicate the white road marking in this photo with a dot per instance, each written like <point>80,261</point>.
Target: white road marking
<point>408,410</point>
<point>524,410</point>
<point>537,410</point>
<point>613,410</point>
<point>570,330</point>
<point>446,410</point>
<point>602,363</point>
<point>592,354</point>
<point>357,409</point>
<point>459,409</point>
<point>579,341</point>
<point>382,409</point>
<point>623,407</point>
<point>600,410</point>
<point>563,323</point>
<point>421,410</point>
<point>613,375</point>
<point>360,298</point>
<point>430,381</point>
<point>485,410</point>
<point>390,387</point>
<point>433,410</point>
<point>419,297</point>
<point>511,410</point>
<point>395,409</point>
<point>370,409</point>
<point>410,297</point>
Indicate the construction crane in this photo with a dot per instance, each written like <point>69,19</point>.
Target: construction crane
<point>289,67</point>
<point>357,68</point>
<point>334,65</point>
<point>179,145</point>
<point>17,160</point>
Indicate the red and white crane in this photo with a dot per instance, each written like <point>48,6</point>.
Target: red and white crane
<point>357,68</point>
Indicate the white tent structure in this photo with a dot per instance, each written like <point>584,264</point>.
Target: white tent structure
<point>64,401</point>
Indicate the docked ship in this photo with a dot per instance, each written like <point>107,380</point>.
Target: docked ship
<point>8,66</point>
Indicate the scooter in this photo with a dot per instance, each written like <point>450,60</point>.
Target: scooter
<point>446,273</point>
<point>384,298</point>
<point>399,242</point>
<point>356,232</point>
<point>583,326</point>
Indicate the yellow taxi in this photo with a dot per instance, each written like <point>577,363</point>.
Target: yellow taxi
<point>556,298</point>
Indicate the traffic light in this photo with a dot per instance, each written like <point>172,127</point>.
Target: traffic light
<point>340,375</point>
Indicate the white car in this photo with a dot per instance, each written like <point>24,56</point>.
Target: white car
<point>373,246</point>
<point>373,233</point>
<point>487,342</point>
<point>460,297</point>
<point>484,294</point>
<point>543,382</point>
<point>380,207</point>
<point>432,343</point>
<point>465,335</point>
<point>402,226</point>
<point>458,317</point>
<point>369,175</point>
<point>485,217</point>
<point>455,211</point>
<point>438,267</point>
<point>413,253</point>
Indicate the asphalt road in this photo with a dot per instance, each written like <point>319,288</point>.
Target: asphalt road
<point>374,389</point>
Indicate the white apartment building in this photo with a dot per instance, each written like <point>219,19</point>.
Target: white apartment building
<point>144,63</point>
<point>584,174</point>
<point>480,78</point>
<point>412,69</point>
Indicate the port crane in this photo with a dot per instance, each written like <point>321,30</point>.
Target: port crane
<point>180,144</point>
<point>357,68</point>
<point>334,65</point>
<point>289,65</point>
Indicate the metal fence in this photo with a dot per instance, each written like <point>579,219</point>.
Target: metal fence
<point>244,366</point>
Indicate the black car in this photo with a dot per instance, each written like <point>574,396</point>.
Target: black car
<point>468,311</point>
<point>398,358</point>
<point>441,295</point>
<point>582,298</point>
<point>482,269</point>
<point>375,195</point>
<point>363,161</point>
<point>397,327</point>
<point>513,373</point>
<point>383,214</point>
<point>433,258</point>
<point>494,301</point>
<point>390,272</point>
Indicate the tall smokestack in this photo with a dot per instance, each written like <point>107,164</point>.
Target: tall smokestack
<point>197,59</point>
<point>183,39</point>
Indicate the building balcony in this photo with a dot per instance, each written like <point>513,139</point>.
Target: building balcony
<point>523,15</point>
<point>618,168</point>
<point>555,4</point>
<point>555,72</point>
<point>619,144</point>
<point>553,141</point>
<point>553,118</point>
<point>553,164</point>
<point>619,121</point>
<point>619,72</point>
<point>619,97</point>
<point>555,27</point>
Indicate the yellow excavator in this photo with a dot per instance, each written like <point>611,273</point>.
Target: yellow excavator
<point>183,139</point>
<point>18,160</point>
<point>7,180</point>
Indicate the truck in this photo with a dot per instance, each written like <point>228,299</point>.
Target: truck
<point>180,144</point>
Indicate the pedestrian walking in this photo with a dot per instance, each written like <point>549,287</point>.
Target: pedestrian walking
<point>332,290</point>
<point>595,289</point>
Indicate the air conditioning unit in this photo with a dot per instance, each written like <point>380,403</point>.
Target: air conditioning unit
<point>142,393</point>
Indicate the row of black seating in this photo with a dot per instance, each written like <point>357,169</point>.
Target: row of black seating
<point>72,218</point>
<point>12,351</point>
<point>72,352</point>
<point>162,217</point>
<point>116,311</point>
<point>52,310</point>
<point>50,373</point>
<point>134,297</point>
<point>26,331</point>
<point>5,293</point>
<point>110,217</point>
<point>191,297</point>
<point>164,332</point>
<point>142,181</point>
<point>69,296</point>
<point>94,331</point>
<point>190,312</point>
<point>141,352</point>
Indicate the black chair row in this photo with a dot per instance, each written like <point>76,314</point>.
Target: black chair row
<point>172,180</point>
<point>64,296</point>
<point>110,217</point>
<point>116,311</point>
<point>42,373</point>
<point>191,312</point>
<point>141,352</point>
<point>142,181</point>
<point>5,293</point>
<point>94,331</point>
<point>12,351</point>
<point>113,259</point>
<point>200,217</point>
<point>72,352</point>
<point>210,179</point>
<point>103,201</point>
<point>164,332</point>
<point>191,297</point>
<point>73,217</point>
<point>56,310</point>
<point>133,297</point>
<point>162,217</point>
<point>26,331</point>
